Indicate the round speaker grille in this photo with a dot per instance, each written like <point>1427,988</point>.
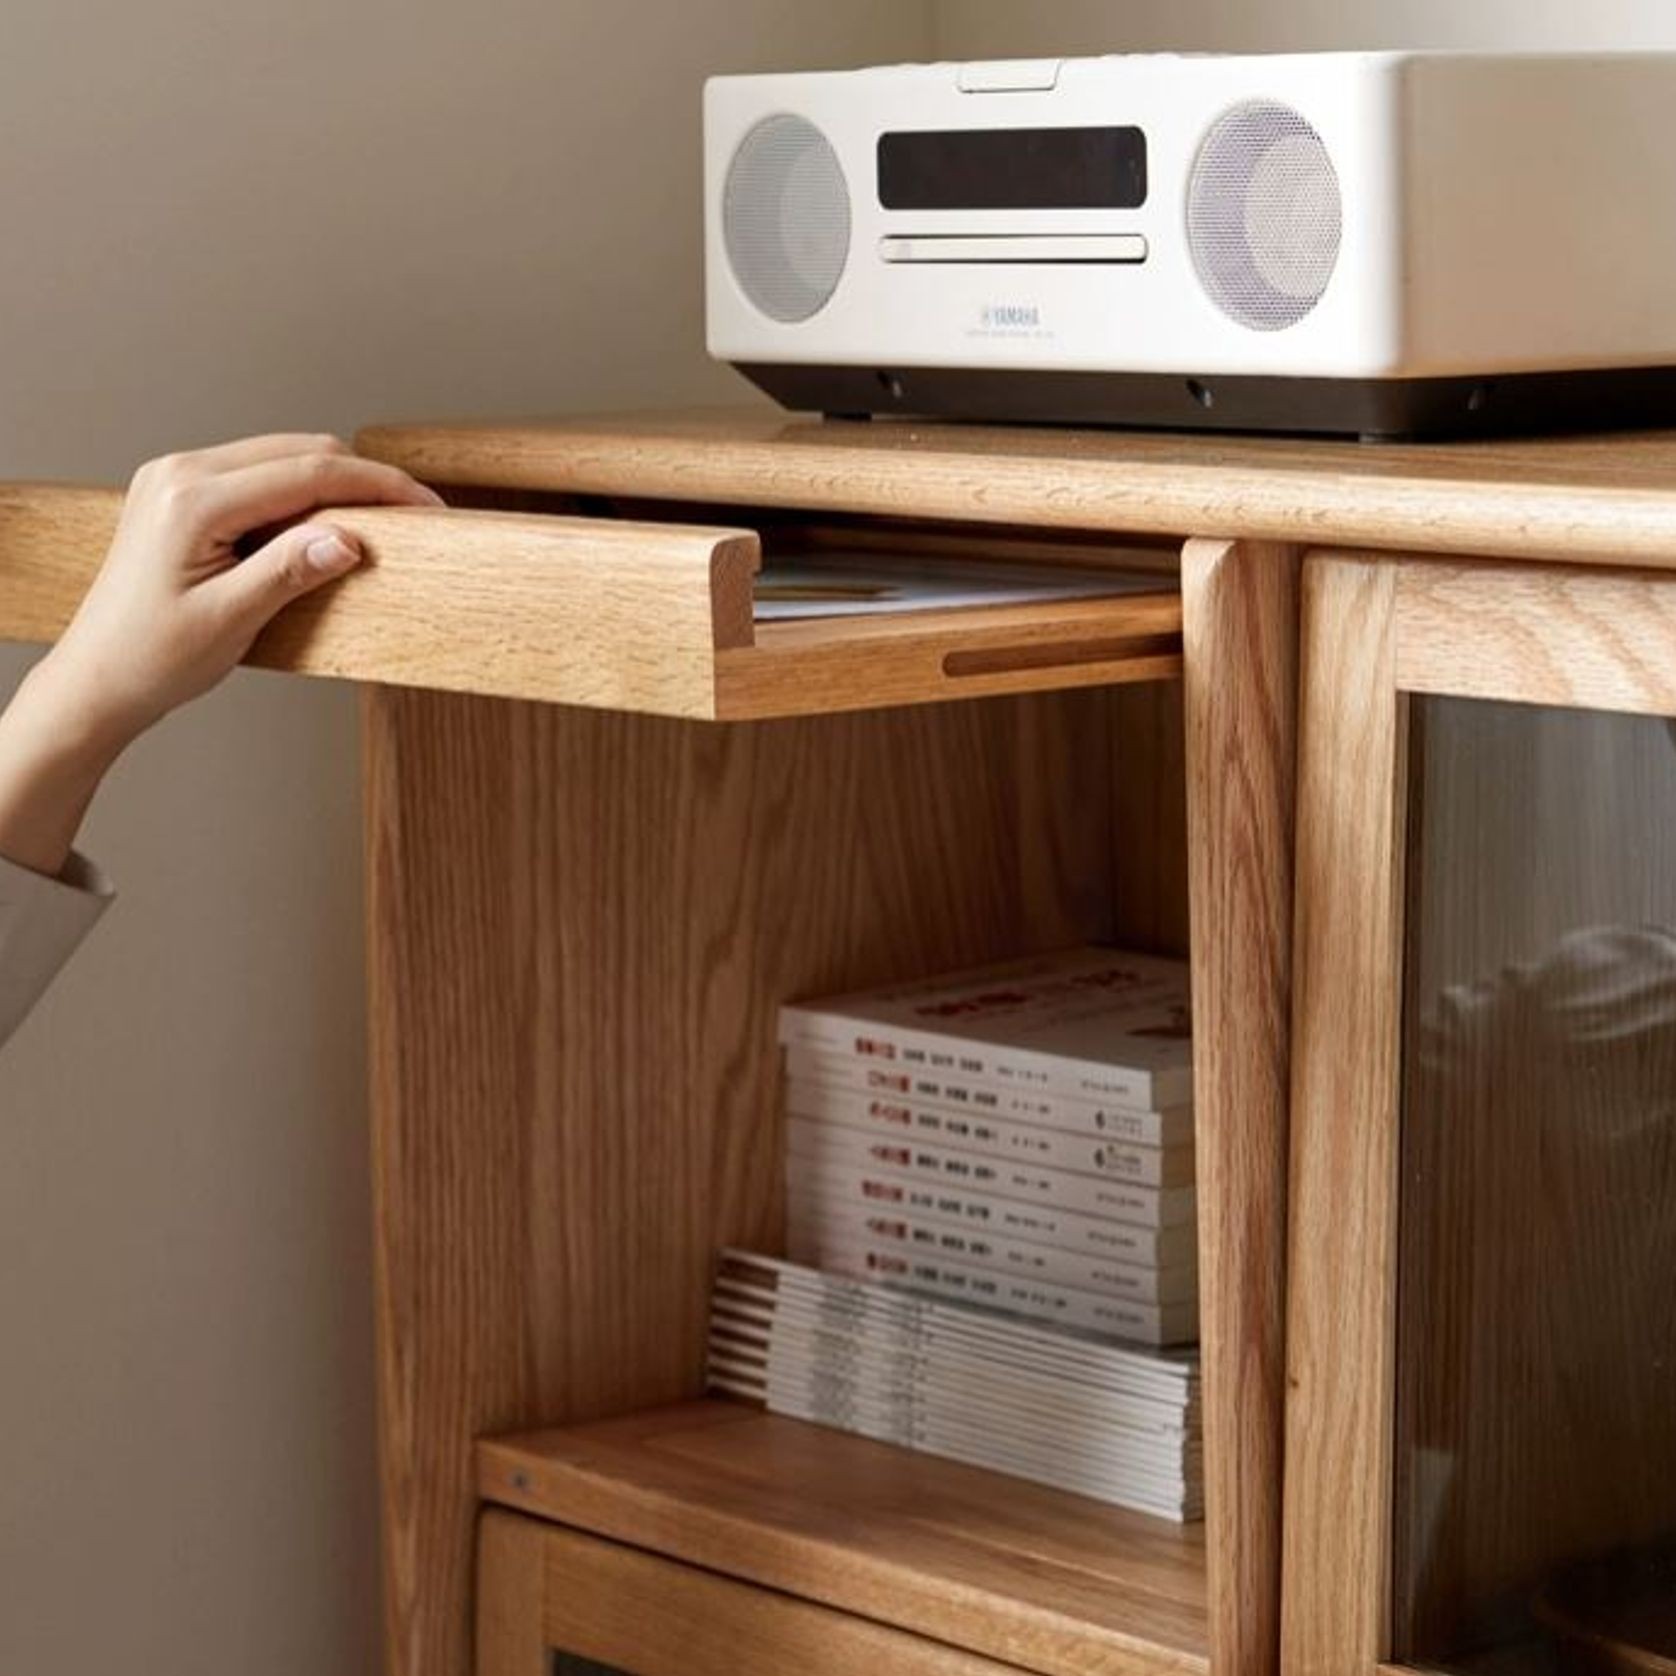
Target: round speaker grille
<point>1263,215</point>
<point>786,218</point>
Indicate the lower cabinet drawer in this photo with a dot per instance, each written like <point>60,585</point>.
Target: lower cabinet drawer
<point>553,1602</point>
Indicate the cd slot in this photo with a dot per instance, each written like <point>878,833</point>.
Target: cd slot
<point>1014,247</point>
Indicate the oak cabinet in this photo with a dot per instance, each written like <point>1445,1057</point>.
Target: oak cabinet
<point>613,821</point>
<point>1481,1424</point>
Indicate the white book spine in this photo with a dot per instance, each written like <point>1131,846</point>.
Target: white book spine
<point>1161,1504</point>
<point>1024,1397</point>
<point>860,1186</point>
<point>817,1231</point>
<point>1046,1073</point>
<point>1163,1464</point>
<point>750,1282</point>
<point>1063,1305</point>
<point>952,1091</point>
<point>819,1144</point>
<point>993,1137</point>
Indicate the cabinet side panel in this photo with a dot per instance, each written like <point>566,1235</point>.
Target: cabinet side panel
<point>1241,607</point>
<point>582,925</point>
<point>1149,817</point>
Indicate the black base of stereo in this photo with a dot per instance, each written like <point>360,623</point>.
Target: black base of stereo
<point>1375,409</point>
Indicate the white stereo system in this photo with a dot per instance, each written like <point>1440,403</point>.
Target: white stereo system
<point>1375,243</point>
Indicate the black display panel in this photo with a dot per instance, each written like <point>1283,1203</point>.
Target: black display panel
<point>1013,168</point>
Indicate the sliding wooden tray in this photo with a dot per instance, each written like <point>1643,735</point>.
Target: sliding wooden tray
<point>615,614</point>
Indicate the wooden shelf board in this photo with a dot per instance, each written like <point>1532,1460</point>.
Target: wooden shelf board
<point>1051,1582</point>
<point>822,665</point>
<point>609,613</point>
<point>599,612</point>
<point>1607,499</point>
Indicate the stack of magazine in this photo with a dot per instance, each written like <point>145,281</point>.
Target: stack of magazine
<point>1074,1410</point>
<point>1015,1143</point>
<point>1020,1136</point>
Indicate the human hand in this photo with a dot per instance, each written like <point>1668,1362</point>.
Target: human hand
<point>174,608</point>
<point>172,611</point>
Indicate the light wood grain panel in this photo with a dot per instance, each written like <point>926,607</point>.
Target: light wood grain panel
<point>1149,817</point>
<point>1342,1240</point>
<point>1032,1576</point>
<point>822,666</point>
<point>1554,636</point>
<point>575,610</point>
<point>511,1596</point>
<point>1241,605</point>
<point>649,617</point>
<point>1600,499</point>
<point>581,925</point>
<point>53,538</point>
<point>634,1612</point>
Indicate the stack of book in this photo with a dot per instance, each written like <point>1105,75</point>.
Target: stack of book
<point>1073,1410</point>
<point>1020,1137</point>
<point>990,1227</point>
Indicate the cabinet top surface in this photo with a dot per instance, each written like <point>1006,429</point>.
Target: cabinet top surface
<point>1601,498</point>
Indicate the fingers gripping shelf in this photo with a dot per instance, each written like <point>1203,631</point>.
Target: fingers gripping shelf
<point>613,614</point>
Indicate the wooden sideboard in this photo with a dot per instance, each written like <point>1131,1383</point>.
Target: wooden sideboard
<point>612,822</point>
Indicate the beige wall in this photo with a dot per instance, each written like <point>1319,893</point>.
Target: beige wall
<point>216,218</point>
<point>1003,28</point>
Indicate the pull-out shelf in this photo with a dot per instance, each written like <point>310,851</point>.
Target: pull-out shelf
<point>619,614</point>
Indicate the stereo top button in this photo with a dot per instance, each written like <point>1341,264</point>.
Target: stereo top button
<point>1011,75</point>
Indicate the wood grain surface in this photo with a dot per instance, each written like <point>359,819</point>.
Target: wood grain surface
<point>1051,1582</point>
<point>1538,636</point>
<point>616,614</point>
<point>862,663</point>
<point>1608,499</point>
<point>511,1597</point>
<point>1149,817</point>
<point>1241,605</point>
<point>620,1609</point>
<point>574,610</point>
<point>1341,1260</point>
<point>580,927</point>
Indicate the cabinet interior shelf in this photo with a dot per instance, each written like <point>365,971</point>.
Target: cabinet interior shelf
<point>1034,1577</point>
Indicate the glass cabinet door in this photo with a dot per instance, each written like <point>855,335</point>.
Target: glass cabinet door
<point>1534,1462</point>
<point>1481,1407</point>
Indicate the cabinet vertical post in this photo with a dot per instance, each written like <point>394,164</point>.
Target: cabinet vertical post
<point>1240,606</point>
<point>512,1589</point>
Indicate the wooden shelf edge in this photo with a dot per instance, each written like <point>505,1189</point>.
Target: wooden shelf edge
<point>1598,499</point>
<point>611,614</point>
<point>826,665</point>
<point>501,604</point>
<point>856,1525</point>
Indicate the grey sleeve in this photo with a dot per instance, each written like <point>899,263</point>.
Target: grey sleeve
<point>42,920</point>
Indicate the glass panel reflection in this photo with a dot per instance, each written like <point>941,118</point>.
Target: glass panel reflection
<point>1535,1459</point>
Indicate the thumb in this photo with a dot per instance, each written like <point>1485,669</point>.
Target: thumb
<point>294,563</point>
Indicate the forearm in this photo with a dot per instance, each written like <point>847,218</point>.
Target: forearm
<point>52,758</point>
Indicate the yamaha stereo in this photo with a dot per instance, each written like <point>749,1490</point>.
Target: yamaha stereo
<point>1382,244</point>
